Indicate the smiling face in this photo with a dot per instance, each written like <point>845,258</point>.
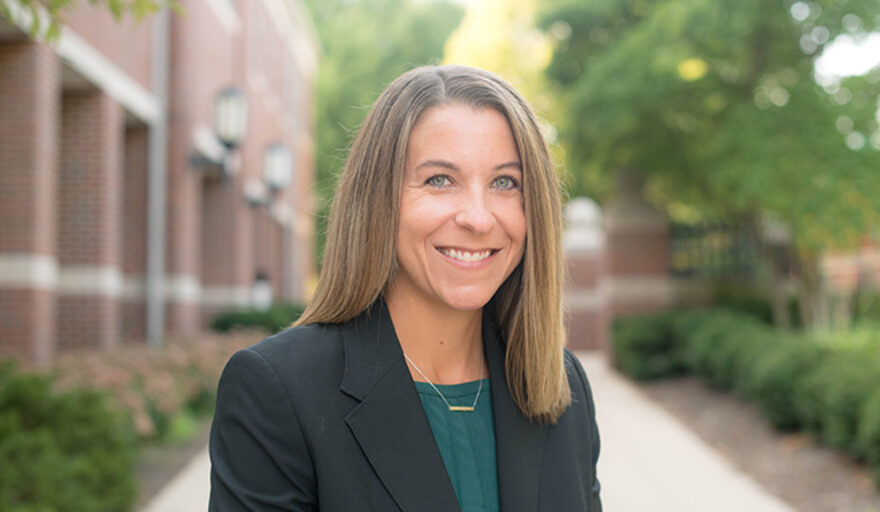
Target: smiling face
<point>462,226</point>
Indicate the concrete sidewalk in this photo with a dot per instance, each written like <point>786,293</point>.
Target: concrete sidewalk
<point>649,461</point>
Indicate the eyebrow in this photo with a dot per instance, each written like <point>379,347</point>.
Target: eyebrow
<point>445,164</point>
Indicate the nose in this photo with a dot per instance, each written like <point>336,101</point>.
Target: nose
<point>475,214</point>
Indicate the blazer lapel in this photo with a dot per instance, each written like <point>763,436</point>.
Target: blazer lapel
<point>519,442</point>
<point>389,423</point>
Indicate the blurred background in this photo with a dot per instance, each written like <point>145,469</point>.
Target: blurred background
<point>166,172</point>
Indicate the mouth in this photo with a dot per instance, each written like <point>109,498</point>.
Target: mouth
<point>466,256</point>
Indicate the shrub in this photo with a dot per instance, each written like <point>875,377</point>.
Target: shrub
<point>773,379</point>
<point>868,432</point>
<point>827,385</point>
<point>746,301</point>
<point>646,348</point>
<point>866,306</point>
<point>720,346</point>
<point>831,398</point>
<point>272,320</point>
<point>61,450</point>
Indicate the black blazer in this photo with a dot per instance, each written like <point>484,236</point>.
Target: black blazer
<point>326,417</point>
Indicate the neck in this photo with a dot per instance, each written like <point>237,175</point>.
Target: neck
<point>446,345</point>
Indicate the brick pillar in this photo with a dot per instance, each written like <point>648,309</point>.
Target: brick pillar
<point>89,217</point>
<point>225,252</point>
<point>29,105</point>
<point>586,301</point>
<point>134,232</point>
<point>638,251</point>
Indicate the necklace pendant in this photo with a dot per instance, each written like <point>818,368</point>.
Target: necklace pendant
<point>461,408</point>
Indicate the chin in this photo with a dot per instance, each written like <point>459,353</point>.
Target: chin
<point>469,303</point>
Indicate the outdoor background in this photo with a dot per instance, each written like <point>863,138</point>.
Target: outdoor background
<point>721,163</point>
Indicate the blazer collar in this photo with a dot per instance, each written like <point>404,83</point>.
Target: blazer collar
<point>389,423</point>
<point>393,431</point>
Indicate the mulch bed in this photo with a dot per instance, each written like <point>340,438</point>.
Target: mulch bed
<point>810,477</point>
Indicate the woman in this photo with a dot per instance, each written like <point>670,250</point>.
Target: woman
<point>428,372</point>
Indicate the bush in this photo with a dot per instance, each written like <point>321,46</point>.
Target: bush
<point>831,398</point>
<point>868,432</point>
<point>827,385</point>
<point>866,306</point>
<point>745,301</point>
<point>61,451</point>
<point>272,320</point>
<point>721,345</point>
<point>772,383</point>
<point>646,348</point>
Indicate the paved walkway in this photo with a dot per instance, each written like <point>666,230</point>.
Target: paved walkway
<point>649,461</point>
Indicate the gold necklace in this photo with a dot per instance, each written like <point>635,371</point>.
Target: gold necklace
<point>453,408</point>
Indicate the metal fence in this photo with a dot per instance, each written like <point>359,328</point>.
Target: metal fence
<point>713,250</point>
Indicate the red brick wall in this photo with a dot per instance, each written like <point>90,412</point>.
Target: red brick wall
<point>29,110</point>
<point>587,330</point>
<point>134,201</point>
<point>126,43</point>
<point>219,251</point>
<point>134,232</point>
<point>94,209</point>
<point>87,321</point>
<point>27,323</point>
<point>638,253</point>
<point>89,214</point>
<point>90,180</point>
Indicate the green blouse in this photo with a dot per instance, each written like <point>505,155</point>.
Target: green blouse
<point>466,441</point>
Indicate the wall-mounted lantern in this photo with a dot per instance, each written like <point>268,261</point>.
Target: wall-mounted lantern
<point>277,166</point>
<point>230,117</point>
<point>214,150</point>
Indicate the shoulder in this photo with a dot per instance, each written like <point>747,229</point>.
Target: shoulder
<point>581,392</point>
<point>303,345</point>
<point>302,354</point>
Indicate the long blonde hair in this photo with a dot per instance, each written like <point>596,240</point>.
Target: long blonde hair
<point>359,257</point>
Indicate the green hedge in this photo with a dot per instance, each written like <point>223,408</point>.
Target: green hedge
<point>829,386</point>
<point>647,348</point>
<point>274,319</point>
<point>62,450</point>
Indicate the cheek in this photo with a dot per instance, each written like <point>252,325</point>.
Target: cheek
<point>513,218</point>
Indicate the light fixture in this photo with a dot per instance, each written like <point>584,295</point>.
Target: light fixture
<point>230,117</point>
<point>277,166</point>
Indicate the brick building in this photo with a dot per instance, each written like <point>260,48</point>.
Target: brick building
<point>120,199</point>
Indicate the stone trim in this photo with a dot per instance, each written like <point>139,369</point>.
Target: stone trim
<point>92,280</point>
<point>28,270</point>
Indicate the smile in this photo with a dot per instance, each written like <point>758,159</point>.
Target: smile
<point>466,256</point>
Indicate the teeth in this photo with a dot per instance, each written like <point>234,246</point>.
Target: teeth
<point>466,256</point>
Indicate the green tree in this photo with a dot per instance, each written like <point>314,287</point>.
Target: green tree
<point>45,17</point>
<point>366,45</point>
<point>715,101</point>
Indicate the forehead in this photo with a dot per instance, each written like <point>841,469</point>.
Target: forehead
<point>458,128</point>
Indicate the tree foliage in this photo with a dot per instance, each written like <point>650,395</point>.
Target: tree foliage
<point>500,36</point>
<point>366,45</point>
<point>45,17</point>
<point>716,101</point>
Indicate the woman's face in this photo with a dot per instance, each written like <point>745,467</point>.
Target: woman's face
<point>462,225</point>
